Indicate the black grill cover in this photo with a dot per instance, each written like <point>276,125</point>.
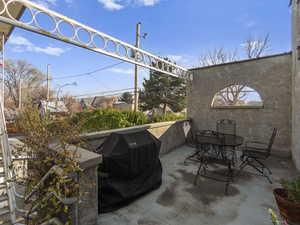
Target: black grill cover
<point>131,166</point>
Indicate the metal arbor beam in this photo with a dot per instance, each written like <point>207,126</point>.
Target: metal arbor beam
<point>96,41</point>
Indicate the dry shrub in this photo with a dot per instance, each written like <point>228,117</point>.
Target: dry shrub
<point>46,144</point>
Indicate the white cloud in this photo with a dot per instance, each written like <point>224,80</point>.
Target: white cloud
<point>121,70</point>
<point>246,20</point>
<point>49,50</point>
<point>147,2</point>
<point>21,44</point>
<point>250,24</point>
<point>18,40</point>
<point>175,57</point>
<point>183,60</point>
<point>111,4</point>
<point>128,71</point>
<point>45,3</point>
<point>49,3</point>
<point>120,4</point>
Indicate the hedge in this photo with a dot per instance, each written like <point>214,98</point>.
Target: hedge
<point>106,119</point>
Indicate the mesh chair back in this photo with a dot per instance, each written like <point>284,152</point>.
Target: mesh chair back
<point>226,126</point>
<point>204,137</point>
<point>272,139</point>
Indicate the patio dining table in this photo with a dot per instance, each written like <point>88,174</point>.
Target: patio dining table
<point>216,147</point>
<point>219,141</point>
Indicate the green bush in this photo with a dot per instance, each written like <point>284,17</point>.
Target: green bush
<point>167,117</point>
<point>106,119</point>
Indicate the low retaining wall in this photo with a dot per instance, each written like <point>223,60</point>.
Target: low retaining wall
<point>171,134</point>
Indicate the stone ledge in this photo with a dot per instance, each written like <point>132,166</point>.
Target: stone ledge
<point>87,159</point>
<point>106,133</point>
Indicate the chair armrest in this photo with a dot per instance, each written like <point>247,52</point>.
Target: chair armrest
<point>256,146</point>
<point>256,143</point>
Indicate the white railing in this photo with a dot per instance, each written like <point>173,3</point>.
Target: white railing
<point>7,164</point>
<point>51,24</point>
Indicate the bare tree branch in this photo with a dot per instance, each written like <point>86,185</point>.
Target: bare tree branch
<point>257,47</point>
<point>32,82</point>
<point>218,56</point>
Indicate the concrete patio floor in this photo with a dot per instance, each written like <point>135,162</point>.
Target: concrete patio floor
<point>179,202</point>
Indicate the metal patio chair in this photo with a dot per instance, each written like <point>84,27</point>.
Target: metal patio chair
<point>256,153</point>
<point>204,140</point>
<point>208,145</point>
<point>226,126</point>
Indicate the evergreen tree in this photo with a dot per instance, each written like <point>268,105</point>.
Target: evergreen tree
<point>127,97</point>
<point>162,91</point>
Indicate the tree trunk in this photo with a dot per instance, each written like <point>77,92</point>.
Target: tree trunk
<point>165,109</point>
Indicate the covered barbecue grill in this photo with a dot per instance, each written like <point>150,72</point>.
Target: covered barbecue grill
<point>131,168</point>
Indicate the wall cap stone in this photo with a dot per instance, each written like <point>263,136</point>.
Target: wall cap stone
<point>241,61</point>
<point>105,133</point>
<point>87,159</point>
<point>236,107</point>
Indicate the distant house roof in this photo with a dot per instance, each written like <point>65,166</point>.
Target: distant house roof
<point>104,102</point>
<point>53,106</point>
<point>122,105</point>
<point>86,102</point>
<point>98,102</point>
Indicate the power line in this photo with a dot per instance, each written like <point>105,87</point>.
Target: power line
<point>115,92</point>
<point>87,73</point>
<point>103,92</point>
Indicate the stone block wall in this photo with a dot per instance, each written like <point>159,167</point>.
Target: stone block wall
<point>171,134</point>
<point>296,83</point>
<point>269,76</point>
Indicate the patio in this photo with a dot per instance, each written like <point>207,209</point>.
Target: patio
<point>274,79</point>
<point>179,202</point>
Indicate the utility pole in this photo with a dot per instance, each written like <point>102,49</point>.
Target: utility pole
<point>137,45</point>
<point>48,82</point>
<point>20,93</point>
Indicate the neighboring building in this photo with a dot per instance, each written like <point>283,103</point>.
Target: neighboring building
<point>53,107</point>
<point>86,103</point>
<point>104,102</point>
<point>122,106</point>
<point>98,102</point>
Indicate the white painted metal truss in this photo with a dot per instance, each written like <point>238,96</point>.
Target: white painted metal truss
<point>49,23</point>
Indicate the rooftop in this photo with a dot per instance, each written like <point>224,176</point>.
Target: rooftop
<point>178,201</point>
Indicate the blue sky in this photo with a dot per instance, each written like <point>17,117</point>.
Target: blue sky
<point>180,29</point>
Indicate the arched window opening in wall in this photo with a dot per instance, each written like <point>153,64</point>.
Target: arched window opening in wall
<point>237,96</point>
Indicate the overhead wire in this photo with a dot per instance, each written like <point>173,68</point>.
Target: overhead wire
<point>87,73</point>
<point>103,92</point>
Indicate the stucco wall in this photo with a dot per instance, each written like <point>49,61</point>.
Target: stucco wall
<point>171,134</point>
<point>269,76</point>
